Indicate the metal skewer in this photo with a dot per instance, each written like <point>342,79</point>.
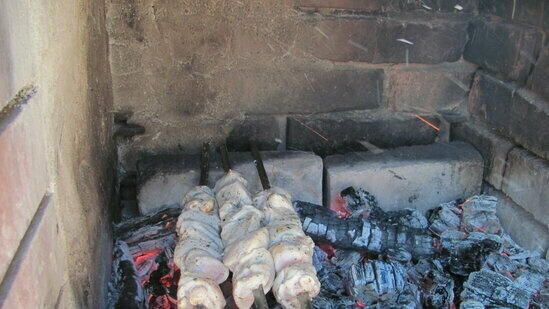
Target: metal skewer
<point>204,164</point>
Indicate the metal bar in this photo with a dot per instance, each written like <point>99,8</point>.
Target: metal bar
<point>204,164</point>
<point>260,301</point>
<point>260,167</point>
<point>304,301</point>
<point>225,157</point>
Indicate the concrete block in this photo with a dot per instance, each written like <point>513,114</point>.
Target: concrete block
<point>506,49</point>
<point>308,89</point>
<point>37,276</point>
<point>430,88</point>
<point>265,130</point>
<point>417,177</point>
<point>492,147</point>
<point>529,12</point>
<point>374,39</point>
<point>163,181</point>
<point>340,131</point>
<point>24,176</point>
<point>516,113</point>
<point>523,227</point>
<point>526,181</point>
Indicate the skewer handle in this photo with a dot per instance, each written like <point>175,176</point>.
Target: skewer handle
<point>304,301</point>
<point>260,167</point>
<point>225,158</point>
<point>260,301</point>
<point>204,164</point>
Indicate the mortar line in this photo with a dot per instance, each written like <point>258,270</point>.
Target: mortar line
<point>23,249</point>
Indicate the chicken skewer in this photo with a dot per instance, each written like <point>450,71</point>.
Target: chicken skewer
<point>245,240</point>
<point>199,250</point>
<point>296,282</point>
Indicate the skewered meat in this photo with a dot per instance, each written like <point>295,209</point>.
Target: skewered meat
<point>245,241</point>
<point>193,292</point>
<point>294,280</point>
<point>199,252</point>
<point>291,249</point>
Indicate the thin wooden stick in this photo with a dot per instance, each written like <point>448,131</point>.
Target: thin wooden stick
<point>260,168</point>
<point>204,164</point>
<point>260,301</point>
<point>304,300</point>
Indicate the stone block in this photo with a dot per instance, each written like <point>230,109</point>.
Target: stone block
<point>417,177</point>
<point>24,177</point>
<point>492,147</point>
<point>37,275</point>
<point>430,88</point>
<point>375,39</point>
<point>266,131</point>
<point>308,89</point>
<point>387,6</point>
<point>506,49</point>
<point>516,113</point>
<point>526,181</point>
<point>501,8</point>
<point>539,78</point>
<point>163,181</point>
<point>368,6</point>
<point>523,227</point>
<point>327,134</point>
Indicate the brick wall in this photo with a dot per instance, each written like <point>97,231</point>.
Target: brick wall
<point>56,155</point>
<point>509,104</point>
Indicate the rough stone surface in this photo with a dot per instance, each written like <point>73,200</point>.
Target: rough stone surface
<point>526,181</point>
<point>164,181</point>
<point>523,227</point>
<point>327,134</point>
<point>506,49</point>
<point>379,6</point>
<point>24,178</point>
<point>492,147</point>
<point>265,131</point>
<point>540,75</point>
<point>42,259</point>
<point>428,89</point>
<point>418,177</point>
<point>529,11</point>
<point>516,113</point>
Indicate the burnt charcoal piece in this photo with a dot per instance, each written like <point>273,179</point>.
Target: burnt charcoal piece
<point>446,217</point>
<point>496,290</point>
<point>125,284</point>
<point>437,288</point>
<point>369,280</point>
<point>464,253</point>
<point>359,201</point>
<point>324,225</point>
<point>479,214</point>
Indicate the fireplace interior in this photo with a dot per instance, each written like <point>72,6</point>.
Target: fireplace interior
<point>423,122</point>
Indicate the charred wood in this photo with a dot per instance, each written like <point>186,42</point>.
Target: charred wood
<point>324,225</point>
<point>126,287</point>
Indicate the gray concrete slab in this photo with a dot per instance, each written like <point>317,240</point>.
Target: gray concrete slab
<point>417,177</point>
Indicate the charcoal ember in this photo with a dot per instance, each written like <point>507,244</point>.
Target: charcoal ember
<point>407,217</point>
<point>399,255</point>
<point>479,214</point>
<point>437,288</point>
<point>370,280</point>
<point>125,288</point>
<point>345,258</point>
<point>471,304</point>
<point>368,236</point>
<point>359,202</point>
<point>493,289</point>
<point>446,217</point>
<point>319,258</point>
<point>326,300</point>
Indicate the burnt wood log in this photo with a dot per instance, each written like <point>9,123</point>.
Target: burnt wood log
<point>324,225</point>
<point>126,284</point>
<point>496,290</point>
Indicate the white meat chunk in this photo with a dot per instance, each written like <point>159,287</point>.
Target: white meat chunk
<point>285,231</point>
<point>203,265</point>
<point>294,280</point>
<point>276,196</point>
<point>255,269</point>
<point>192,230</point>
<point>181,251</point>
<point>235,253</point>
<point>193,292</point>
<point>209,219</point>
<point>201,198</point>
<point>236,191</point>
<point>289,253</point>
<point>240,223</point>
